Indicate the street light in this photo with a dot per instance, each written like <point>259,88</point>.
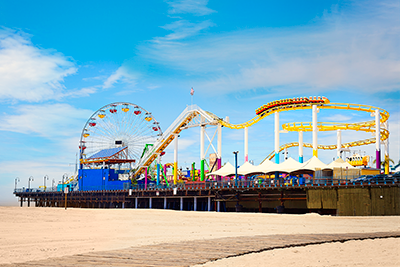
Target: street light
<point>29,182</point>
<point>16,181</point>
<point>236,167</point>
<point>44,181</point>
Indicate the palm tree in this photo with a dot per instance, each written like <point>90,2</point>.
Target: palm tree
<point>385,161</point>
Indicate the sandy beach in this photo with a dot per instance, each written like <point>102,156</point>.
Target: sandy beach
<point>39,233</point>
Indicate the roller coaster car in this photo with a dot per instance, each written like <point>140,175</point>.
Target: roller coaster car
<point>297,100</point>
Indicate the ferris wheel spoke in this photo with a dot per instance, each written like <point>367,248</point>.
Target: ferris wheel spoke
<point>126,122</point>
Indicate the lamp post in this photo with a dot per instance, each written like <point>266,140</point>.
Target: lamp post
<point>46,177</point>
<point>29,182</point>
<point>236,167</point>
<point>16,181</point>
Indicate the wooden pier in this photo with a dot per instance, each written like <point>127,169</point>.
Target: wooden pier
<point>336,199</point>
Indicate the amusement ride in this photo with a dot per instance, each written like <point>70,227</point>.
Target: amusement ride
<point>127,137</point>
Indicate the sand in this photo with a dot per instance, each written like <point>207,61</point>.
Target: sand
<point>39,233</point>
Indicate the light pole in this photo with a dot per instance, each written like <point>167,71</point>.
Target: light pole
<point>29,182</point>
<point>46,177</point>
<point>16,181</point>
<point>236,167</point>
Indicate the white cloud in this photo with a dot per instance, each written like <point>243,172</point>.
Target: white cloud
<point>120,75</point>
<point>30,73</point>
<point>196,7</point>
<point>182,29</point>
<point>357,49</point>
<point>51,121</point>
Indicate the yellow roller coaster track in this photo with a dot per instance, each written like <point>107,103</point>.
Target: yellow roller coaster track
<point>324,147</point>
<point>343,106</point>
<point>368,126</point>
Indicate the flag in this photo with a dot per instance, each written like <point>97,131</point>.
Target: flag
<point>192,91</point>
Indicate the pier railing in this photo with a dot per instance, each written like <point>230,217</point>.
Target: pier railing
<point>227,184</point>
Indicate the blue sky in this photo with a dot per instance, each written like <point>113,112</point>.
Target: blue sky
<point>62,60</point>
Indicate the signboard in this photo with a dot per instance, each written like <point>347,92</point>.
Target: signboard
<point>66,190</point>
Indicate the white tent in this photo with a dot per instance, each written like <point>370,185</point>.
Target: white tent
<point>265,167</point>
<point>339,163</point>
<point>313,164</point>
<point>246,168</point>
<point>226,170</point>
<point>288,165</point>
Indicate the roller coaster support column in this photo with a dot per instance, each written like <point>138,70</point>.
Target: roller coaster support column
<point>386,144</point>
<point>301,146</point>
<point>158,169</point>
<point>246,144</point>
<point>145,178</point>
<point>315,130</point>
<point>202,156</point>
<point>276,144</point>
<point>176,160</point>
<point>277,137</point>
<point>339,143</point>
<point>219,146</point>
<point>378,139</point>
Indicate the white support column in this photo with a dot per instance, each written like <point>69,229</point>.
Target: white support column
<point>218,206</point>
<point>378,138</point>
<point>339,143</point>
<point>301,146</point>
<point>208,203</point>
<point>195,203</point>
<point>136,202</point>
<point>219,140</point>
<point>315,130</point>
<point>219,146</point>
<point>386,145</point>
<point>202,156</point>
<point>181,203</point>
<point>246,144</point>
<point>202,130</point>
<point>165,203</point>
<point>150,202</point>
<point>277,137</point>
<point>176,160</point>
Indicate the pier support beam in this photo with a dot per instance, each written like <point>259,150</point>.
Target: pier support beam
<point>209,204</point>
<point>136,202</point>
<point>195,203</point>
<point>218,206</point>
<point>181,203</point>
<point>165,203</point>
<point>150,202</point>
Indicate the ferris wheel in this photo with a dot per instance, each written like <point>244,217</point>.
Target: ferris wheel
<point>116,127</point>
